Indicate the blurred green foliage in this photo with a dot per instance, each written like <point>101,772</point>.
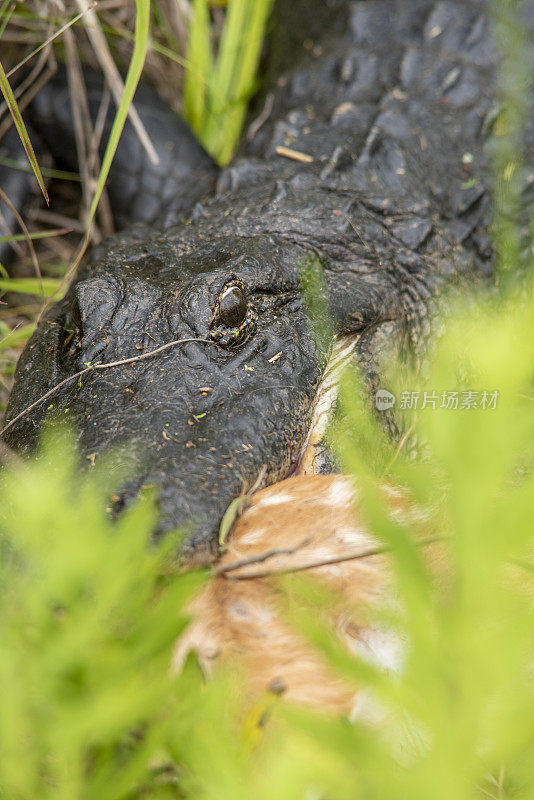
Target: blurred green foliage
<point>89,611</point>
<point>87,626</point>
<point>218,87</point>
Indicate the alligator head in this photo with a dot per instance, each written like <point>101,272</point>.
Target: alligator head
<point>206,367</point>
<point>203,417</point>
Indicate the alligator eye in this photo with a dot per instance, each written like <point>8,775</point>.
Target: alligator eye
<point>232,307</point>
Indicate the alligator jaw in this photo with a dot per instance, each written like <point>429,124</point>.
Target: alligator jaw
<point>314,458</point>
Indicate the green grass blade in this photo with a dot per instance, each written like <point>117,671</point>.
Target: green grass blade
<point>17,337</point>
<point>22,237</point>
<point>216,95</point>
<point>48,172</point>
<point>142,26</point>
<point>5,15</point>
<point>30,286</point>
<point>21,129</point>
<point>153,45</point>
<point>235,74</point>
<point>199,66</point>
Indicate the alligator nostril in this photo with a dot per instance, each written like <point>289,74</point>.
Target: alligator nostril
<point>261,343</point>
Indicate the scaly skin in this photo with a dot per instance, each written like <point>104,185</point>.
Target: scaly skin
<point>387,106</point>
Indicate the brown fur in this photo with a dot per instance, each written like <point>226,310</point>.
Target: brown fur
<point>241,621</point>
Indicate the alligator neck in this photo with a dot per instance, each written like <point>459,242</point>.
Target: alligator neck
<point>352,157</point>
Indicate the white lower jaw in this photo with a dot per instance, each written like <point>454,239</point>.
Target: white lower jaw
<point>312,454</point>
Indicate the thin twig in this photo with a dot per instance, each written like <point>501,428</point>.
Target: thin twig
<point>295,155</point>
<point>375,551</point>
<point>12,331</point>
<point>34,87</point>
<point>113,77</point>
<point>81,119</point>
<point>262,118</point>
<point>399,447</point>
<point>93,368</point>
<point>49,40</point>
<point>222,569</point>
<point>27,236</point>
<point>32,76</point>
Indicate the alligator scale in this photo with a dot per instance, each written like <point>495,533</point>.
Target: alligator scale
<point>369,158</point>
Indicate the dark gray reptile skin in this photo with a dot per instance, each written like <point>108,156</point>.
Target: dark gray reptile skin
<point>393,105</point>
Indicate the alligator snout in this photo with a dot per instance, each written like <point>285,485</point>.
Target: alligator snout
<point>205,375</point>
